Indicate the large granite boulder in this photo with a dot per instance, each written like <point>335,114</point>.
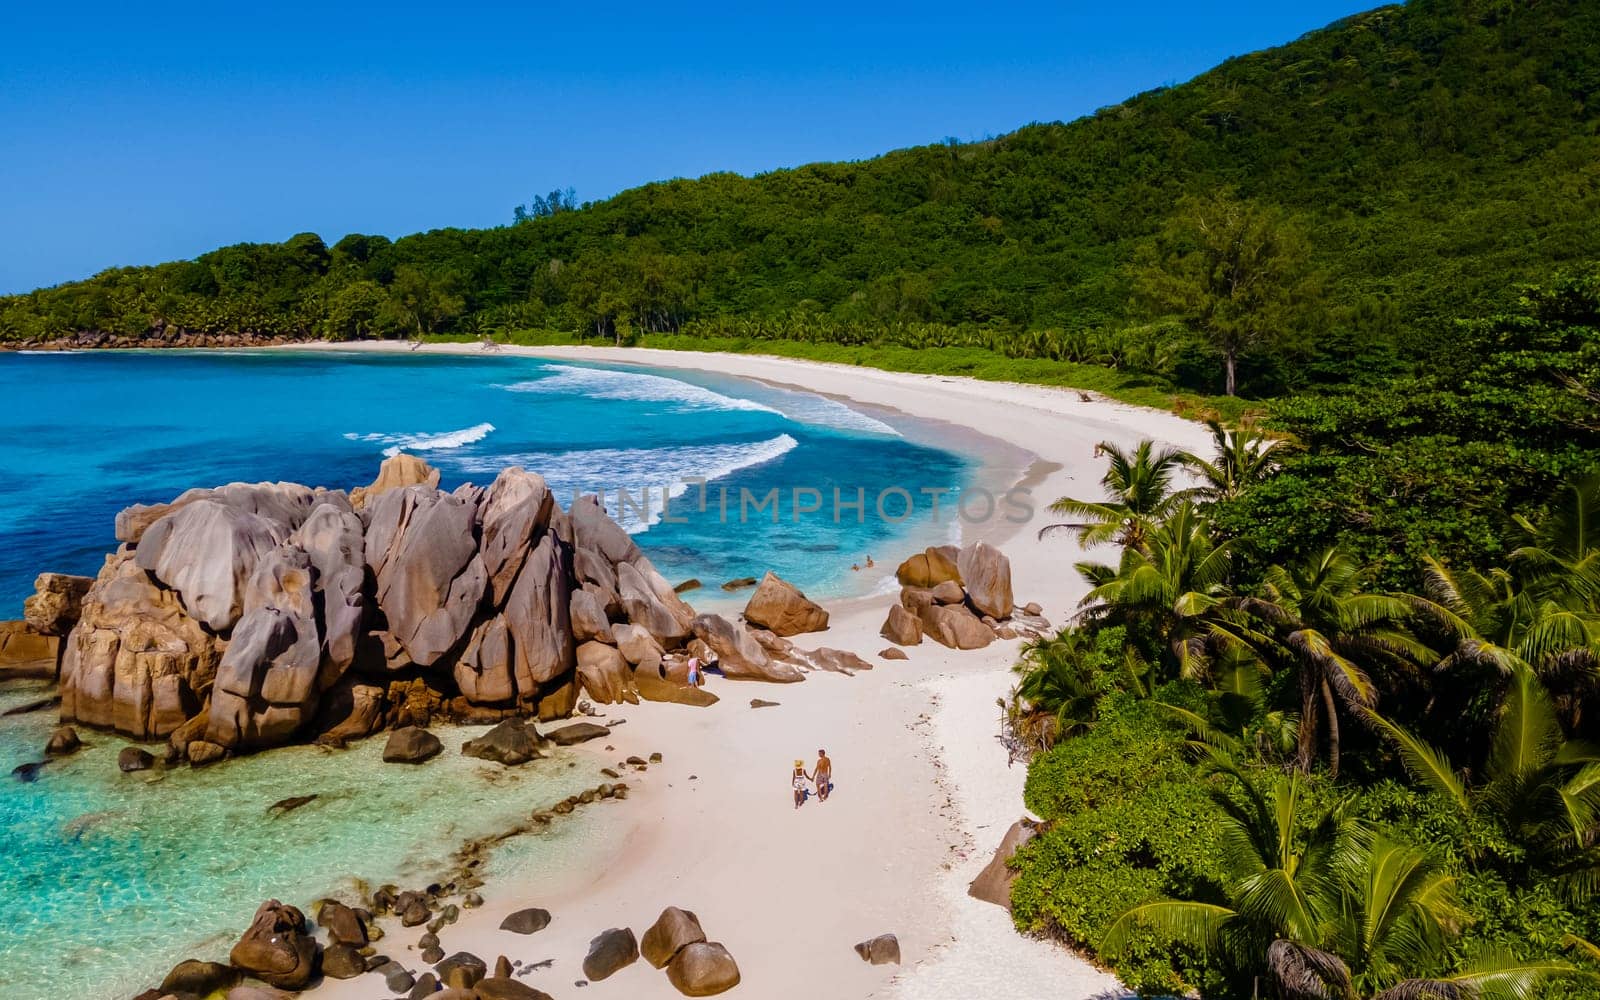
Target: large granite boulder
<point>993,884</point>
<point>595,532</point>
<point>649,602</point>
<point>206,551</point>
<point>136,662</point>
<point>703,969</point>
<point>986,575</point>
<point>411,745</point>
<point>637,646</point>
<point>902,627</point>
<point>955,626</point>
<point>589,620</point>
<point>653,684</point>
<point>422,549</point>
<point>674,929</point>
<point>269,679</point>
<point>605,675</point>
<point>929,568</point>
<point>512,742</point>
<point>350,710</point>
<point>56,602</point>
<point>397,471</point>
<point>538,616</point>
<point>27,652</point>
<point>277,948</point>
<point>738,653</point>
<point>332,539</point>
<point>782,609</point>
<point>609,952</point>
<point>516,512</point>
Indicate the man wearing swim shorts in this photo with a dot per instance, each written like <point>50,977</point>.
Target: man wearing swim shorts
<point>823,775</point>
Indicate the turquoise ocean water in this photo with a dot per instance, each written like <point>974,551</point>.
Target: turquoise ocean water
<point>109,879</point>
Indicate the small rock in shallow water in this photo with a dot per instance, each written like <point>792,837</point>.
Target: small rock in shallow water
<point>135,759</point>
<point>472,900</point>
<point>291,803</point>
<point>762,703</point>
<point>610,772</point>
<point>28,772</point>
<point>200,978</point>
<point>411,745</point>
<point>63,740</point>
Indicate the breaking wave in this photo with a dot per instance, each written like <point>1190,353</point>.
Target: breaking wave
<point>606,383</point>
<point>807,408</point>
<point>442,441</point>
<point>633,469</point>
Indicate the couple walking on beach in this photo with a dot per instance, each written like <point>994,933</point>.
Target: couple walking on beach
<point>821,779</point>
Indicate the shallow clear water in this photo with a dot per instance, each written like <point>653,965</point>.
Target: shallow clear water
<point>109,879</point>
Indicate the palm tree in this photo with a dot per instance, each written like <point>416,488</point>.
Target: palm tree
<point>1237,715</point>
<point>1138,488</point>
<point>1167,588</point>
<point>1056,696</point>
<point>1319,619</point>
<point>1541,788</point>
<point>1244,458</point>
<point>1327,910</point>
<point>1540,622</point>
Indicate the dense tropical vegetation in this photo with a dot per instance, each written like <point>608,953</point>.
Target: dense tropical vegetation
<point>1389,173</point>
<point>1328,725</point>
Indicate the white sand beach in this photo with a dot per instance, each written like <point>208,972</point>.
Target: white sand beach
<point>923,789</point>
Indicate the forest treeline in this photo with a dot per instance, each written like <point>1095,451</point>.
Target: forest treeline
<point>1422,160</point>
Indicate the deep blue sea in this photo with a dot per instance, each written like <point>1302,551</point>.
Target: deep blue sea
<point>110,879</point>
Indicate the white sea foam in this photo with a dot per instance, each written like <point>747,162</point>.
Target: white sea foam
<point>633,469</point>
<point>606,383</point>
<point>809,408</point>
<point>442,441</point>
<point>52,353</point>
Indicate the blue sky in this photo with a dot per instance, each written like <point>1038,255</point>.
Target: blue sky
<point>136,133</point>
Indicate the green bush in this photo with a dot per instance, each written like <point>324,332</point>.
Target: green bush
<point>1129,820</point>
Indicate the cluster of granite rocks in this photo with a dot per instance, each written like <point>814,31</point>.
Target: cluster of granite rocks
<point>960,598</point>
<point>254,615</point>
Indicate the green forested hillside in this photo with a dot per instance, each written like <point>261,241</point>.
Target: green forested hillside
<point>1433,155</point>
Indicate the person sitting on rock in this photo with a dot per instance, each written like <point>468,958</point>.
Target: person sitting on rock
<point>823,777</point>
<point>798,780</point>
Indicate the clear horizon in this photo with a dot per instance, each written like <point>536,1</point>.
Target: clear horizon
<point>137,136</point>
